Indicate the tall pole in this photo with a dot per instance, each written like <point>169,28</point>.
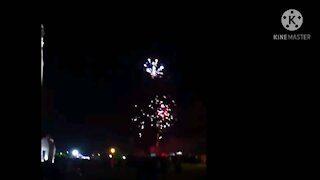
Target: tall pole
<point>157,143</point>
<point>42,43</point>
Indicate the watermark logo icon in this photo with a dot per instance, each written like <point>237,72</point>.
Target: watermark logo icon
<point>292,20</point>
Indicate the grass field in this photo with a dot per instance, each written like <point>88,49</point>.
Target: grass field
<point>98,171</point>
<point>189,171</point>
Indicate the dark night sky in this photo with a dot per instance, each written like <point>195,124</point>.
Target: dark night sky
<point>93,76</point>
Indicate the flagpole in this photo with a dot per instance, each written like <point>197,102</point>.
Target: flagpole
<point>42,43</point>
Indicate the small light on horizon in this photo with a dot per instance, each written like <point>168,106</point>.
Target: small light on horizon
<point>85,157</point>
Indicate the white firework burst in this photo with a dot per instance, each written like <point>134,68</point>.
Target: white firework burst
<point>153,68</point>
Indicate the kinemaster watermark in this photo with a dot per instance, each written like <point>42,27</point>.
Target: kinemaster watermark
<point>292,20</point>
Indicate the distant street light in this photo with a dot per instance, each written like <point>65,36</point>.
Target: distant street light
<point>75,153</point>
<point>112,150</point>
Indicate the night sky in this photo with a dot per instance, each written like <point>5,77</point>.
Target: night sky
<point>93,76</point>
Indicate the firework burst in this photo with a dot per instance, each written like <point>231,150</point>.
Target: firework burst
<point>153,68</point>
<point>159,114</point>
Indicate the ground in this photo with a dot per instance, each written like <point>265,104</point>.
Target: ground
<point>101,172</point>
<point>189,171</point>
